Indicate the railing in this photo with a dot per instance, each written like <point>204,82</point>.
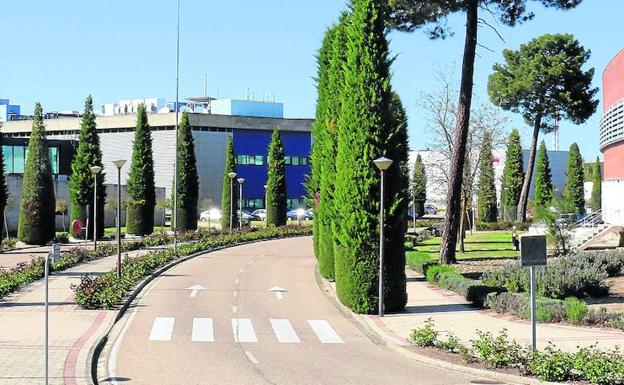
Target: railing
<point>590,220</point>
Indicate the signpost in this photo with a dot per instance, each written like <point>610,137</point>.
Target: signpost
<point>55,254</point>
<point>532,254</point>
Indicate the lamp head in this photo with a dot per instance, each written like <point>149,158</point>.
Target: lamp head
<point>232,175</point>
<point>96,169</point>
<point>241,180</point>
<point>382,163</point>
<point>119,163</point>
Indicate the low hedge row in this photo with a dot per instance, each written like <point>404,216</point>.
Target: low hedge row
<point>472,290</point>
<point>107,291</point>
<point>502,226</point>
<point>587,364</point>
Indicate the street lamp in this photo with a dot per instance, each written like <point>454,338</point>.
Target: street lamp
<point>240,202</point>
<point>266,206</point>
<point>95,170</point>
<point>382,164</point>
<point>232,175</point>
<point>119,164</point>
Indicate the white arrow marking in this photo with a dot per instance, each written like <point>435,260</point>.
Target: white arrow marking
<point>278,291</point>
<point>195,289</point>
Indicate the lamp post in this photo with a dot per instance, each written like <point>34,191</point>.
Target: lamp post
<point>240,202</point>
<point>177,120</point>
<point>232,175</point>
<point>382,164</point>
<point>95,170</point>
<point>266,206</point>
<point>119,164</point>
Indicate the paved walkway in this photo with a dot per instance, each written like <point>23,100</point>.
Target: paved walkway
<point>10,258</point>
<point>452,314</point>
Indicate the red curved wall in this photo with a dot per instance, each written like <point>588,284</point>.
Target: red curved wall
<point>613,81</point>
<point>614,161</point>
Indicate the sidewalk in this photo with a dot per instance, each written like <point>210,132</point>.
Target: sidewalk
<point>452,314</point>
<point>10,258</point>
<point>72,330</point>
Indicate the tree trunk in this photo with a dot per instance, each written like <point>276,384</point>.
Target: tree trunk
<point>453,197</point>
<point>526,185</point>
<point>462,230</point>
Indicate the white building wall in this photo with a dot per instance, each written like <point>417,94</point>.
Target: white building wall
<point>613,202</point>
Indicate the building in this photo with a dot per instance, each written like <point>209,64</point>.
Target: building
<point>8,111</point>
<point>249,123</point>
<point>612,141</point>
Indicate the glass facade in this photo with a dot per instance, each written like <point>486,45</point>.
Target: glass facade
<point>250,160</point>
<point>296,160</point>
<point>15,159</point>
<point>253,203</point>
<point>296,203</point>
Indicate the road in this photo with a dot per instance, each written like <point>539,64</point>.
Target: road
<point>236,331</point>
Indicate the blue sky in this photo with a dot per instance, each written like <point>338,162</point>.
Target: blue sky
<point>58,52</point>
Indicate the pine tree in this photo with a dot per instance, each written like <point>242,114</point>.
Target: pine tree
<point>277,201</point>
<point>513,176</point>
<point>141,190</point>
<point>486,192</point>
<point>188,180</point>
<point>88,154</point>
<point>596,197</point>
<point>573,192</point>
<point>37,206</point>
<point>229,198</point>
<point>543,180</point>
<point>4,192</point>
<point>419,185</point>
<point>366,131</point>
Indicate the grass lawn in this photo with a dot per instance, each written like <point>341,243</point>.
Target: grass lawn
<point>113,230</point>
<point>482,244</point>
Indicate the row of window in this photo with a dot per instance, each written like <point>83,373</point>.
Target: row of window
<point>259,203</point>
<point>15,158</point>
<point>259,160</point>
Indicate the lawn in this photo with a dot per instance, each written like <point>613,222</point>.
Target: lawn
<point>479,245</point>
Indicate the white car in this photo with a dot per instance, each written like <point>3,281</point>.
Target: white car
<point>210,215</point>
<point>261,213</point>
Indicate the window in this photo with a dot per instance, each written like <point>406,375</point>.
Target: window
<point>295,160</point>
<point>253,203</point>
<point>54,159</point>
<point>250,160</point>
<point>20,153</point>
<point>296,203</point>
<point>15,159</point>
<point>7,154</point>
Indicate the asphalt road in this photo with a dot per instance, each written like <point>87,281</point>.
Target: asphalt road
<point>237,331</point>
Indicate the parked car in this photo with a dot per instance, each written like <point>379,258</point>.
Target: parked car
<point>249,216</point>
<point>296,214</point>
<point>430,209</point>
<point>212,215</point>
<point>310,213</point>
<point>260,213</point>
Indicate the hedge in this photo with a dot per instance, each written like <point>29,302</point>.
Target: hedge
<point>472,290</point>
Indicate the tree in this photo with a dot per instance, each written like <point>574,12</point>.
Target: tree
<point>596,195</point>
<point>4,193</point>
<point>229,198</point>
<point>419,185</point>
<point>277,201</point>
<point>513,176</point>
<point>573,190</point>
<point>544,81</point>
<point>188,180</point>
<point>37,218</point>
<point>543,180</point>
<point>141,190</point>
<point>87,155</point>
<point>408,15</point>
<point>486,193</point>
<point>368,129</point>
<point>61,208</point>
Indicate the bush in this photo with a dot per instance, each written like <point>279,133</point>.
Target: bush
<point>599,367</point>
<point>502,226</point>
<point>433,272</point>
<point>552,364</point>
<point>499,351</point>
<point>575,310</point>
<point>425,336</point>
<point>548,310</point>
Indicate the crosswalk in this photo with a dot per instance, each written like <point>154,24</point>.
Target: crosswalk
<point>243,331</point>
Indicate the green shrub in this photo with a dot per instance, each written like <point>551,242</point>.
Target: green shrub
<point>434,271</point>
<point>451,344</point>
<point>552,364</point>
<point>499,351</point>
<point>503,226</point>
<point>576,310</point>
<point>599,367</point>
<point>548,310</point>
<point>425,336</point>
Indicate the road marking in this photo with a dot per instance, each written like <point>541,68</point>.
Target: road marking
<point>279,291</point>
<point>325,332</point>
<point>203,330</point>
<point>162,329</point>
<point>284,331</point>
<point>251,357</point>
<point>236,281</point>
<point>235,294</point>
<point>194,289</point>
<point>243,330</point>
<point>234,309</point>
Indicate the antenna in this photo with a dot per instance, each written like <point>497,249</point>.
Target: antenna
<point>205,85</point>
<point>247,89</point>
<point>556,133</point>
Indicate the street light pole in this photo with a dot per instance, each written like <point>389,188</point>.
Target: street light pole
<point>266,206</point>
<point>95,170</point>
<point>119,164</point>
<point>232,175</point>
<point>240,202</point>
<point>175,162</point>
<point>382,164</point>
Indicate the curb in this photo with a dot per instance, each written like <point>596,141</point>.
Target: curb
<point>95,351</point>
<point>378,336</point>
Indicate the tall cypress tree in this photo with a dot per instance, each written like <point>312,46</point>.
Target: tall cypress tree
<point>141,190</point>
<point>543,180</point>
<point>513,176</point>
<point>596,197</point>
<point>573,192</point>
<point>88,154</point>
<point>486,192</point>
<point>419,185</point>
<point>4,192</point>
<point>229,198</point>
<point>366,131</point>
<point>37,206</point>
<point>277,201</point>
<point>188,180</point>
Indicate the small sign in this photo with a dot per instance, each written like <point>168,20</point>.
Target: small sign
<point>533,250</point>
<point>56,252</point>
<point>77,227</point>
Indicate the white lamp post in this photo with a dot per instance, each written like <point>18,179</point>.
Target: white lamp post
<point>119,164</point>
<point>95,170</point>
<point>240,203</point>
<point>232,175</point>
<point>266,206</point>
<point>382,164</point>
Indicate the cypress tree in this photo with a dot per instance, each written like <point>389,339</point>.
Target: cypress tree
<point>4,193</point>
<point>277,201</point>
<point>573,192</point>
<point>366,131</point>
<point>486,191</point>
<point>141,190</point>
<point>543,180</point>
<point>229,197</point>
<point>188,180</point>
<point>419,185</point>
<point>513,176</point>
<point>37,206</point>
<point>596,197</point>
<point>88,154</point>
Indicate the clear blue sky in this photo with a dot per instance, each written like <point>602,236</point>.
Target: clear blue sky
<point>57,52</point>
